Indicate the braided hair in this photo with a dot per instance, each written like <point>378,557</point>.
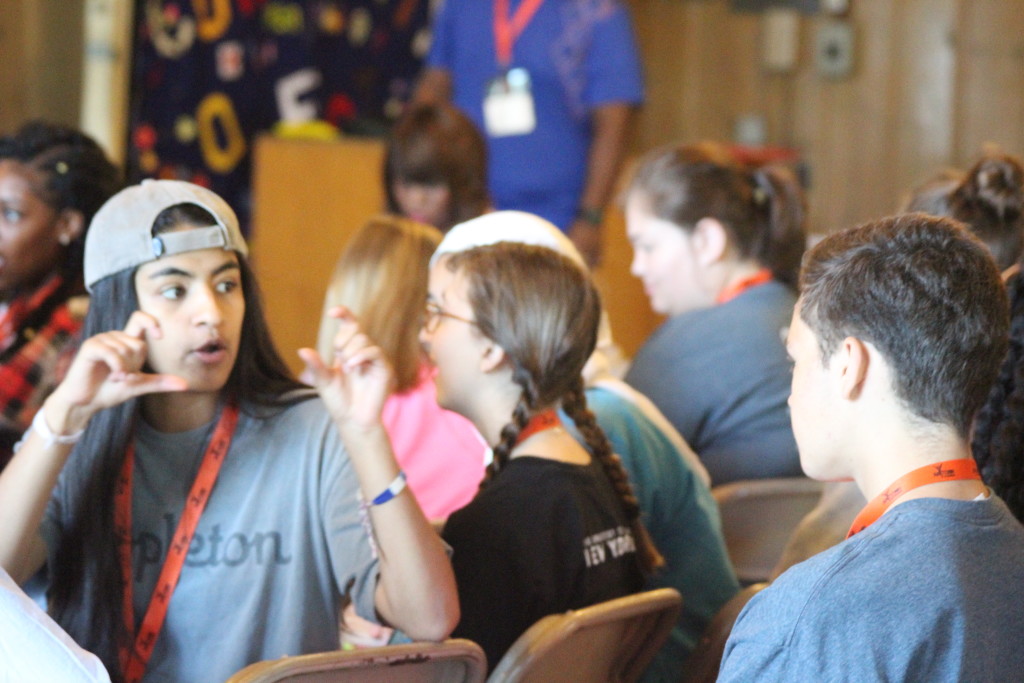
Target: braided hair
<point>544,311</point>
<point>75,171</point>
<point>998,440</point>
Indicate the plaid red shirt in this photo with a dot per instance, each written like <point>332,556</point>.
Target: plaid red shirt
<point>39,334</point>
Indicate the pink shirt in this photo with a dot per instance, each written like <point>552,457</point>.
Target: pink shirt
<point>441,451</point>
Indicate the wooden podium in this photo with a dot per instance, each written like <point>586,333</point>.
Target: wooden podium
<point>309,197</point>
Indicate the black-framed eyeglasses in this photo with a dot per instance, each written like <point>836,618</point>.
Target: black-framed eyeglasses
<point>433,313</point>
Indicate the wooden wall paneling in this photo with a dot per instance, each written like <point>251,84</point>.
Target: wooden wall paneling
<point>924,68</point>
<point>844,126</point>
<point>990,77</point>
<point>40,61</point>
<point>308,199</point>
<point>660,32</point>
<point>12,66</point>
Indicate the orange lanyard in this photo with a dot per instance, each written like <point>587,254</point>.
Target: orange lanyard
<point>735,289</point>
<point>134,661</point>
<point>507,30</point>
<point>546,419</point>
<point>949,470</point>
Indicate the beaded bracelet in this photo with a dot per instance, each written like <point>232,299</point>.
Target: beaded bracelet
<point>49,438</point>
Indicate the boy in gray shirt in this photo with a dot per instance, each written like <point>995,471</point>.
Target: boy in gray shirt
<point>896,339</point>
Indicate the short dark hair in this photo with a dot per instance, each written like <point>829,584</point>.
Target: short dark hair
<point>436,144</point>
<point>927,294</point>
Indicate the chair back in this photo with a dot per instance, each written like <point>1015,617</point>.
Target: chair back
<point>608,642</point>
<point>703,663</point>
<point>758,517</point>
<point>453,661</point>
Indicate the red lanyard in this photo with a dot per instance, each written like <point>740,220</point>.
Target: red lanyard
<point>507,30</point>
<point>949,470</point>
<point>134,662</point>
<point>735,289</point>
<point>546,419</point>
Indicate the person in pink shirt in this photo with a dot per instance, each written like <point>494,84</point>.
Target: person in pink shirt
<point>382,278</point>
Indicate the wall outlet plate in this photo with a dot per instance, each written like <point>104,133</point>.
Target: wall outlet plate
<point>835,6</point>
<point>833,48</point>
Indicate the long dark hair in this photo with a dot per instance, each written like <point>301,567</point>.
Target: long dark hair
<point>76,175</point>
<point>86,585</point>
<point>763,210</point>
<point>998,442</point>
<point>544,311</point>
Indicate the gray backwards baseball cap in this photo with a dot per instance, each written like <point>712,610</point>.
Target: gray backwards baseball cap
<point>121,236</point>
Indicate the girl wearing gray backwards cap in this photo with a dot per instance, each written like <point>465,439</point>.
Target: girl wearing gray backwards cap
<point>196,486</point>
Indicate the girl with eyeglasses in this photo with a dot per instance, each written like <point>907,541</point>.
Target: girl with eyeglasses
<point>555,525</point>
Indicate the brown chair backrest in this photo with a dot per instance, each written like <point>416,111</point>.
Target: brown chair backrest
<point>453,661</point>
<point>611,641</point>
<point>703,663</point>
<point>758,517</point>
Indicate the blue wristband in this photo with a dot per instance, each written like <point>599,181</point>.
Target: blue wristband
<point>396,487</point>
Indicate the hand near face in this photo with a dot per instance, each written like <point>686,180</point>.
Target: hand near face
<point>358,379</point>
<point>107,371</point>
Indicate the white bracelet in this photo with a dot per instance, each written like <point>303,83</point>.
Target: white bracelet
<point>49,438</point>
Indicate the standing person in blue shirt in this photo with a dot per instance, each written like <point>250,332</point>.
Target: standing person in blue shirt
<point>553,84</point>
<point>897,336</point>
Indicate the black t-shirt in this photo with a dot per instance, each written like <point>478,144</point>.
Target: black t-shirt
<point>544,537</point>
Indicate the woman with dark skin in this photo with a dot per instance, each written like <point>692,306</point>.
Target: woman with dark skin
<point>52,181</point>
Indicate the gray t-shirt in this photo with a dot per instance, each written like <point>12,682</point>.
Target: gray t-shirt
<point>721,376</point>
<point>279,544</point>
<point>929,592</point>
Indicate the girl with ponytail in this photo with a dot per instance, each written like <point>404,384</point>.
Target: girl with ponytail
<point>718,248</point>
<point>989,198</point>
<point>555,525</point>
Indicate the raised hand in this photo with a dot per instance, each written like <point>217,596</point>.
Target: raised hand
<point>107,371</point>
<point>356,382</point>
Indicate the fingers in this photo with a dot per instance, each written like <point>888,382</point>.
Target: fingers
<point>139,383</point>
<point>316,371</point>
<point>120,352</point>
<point>141,325</point>
<point>351,344</point>
<point>342,313</point>
<point>355,350</point>
<point>363,356</point>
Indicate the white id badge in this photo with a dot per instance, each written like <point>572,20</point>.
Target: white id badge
<point>508,105</point>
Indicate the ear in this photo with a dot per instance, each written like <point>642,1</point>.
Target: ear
<point>493,358</point>
<point>70,224</point>
<point>851,362</point>
<point>710,241</point>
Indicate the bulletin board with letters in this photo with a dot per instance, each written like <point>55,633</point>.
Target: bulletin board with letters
<point>209,75</point>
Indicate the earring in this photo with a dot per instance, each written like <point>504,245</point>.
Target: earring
<point>64,239</point>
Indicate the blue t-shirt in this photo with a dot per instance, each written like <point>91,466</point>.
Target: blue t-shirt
<point>721,376</point>
<point>929,592</point>
<point>580,54</point>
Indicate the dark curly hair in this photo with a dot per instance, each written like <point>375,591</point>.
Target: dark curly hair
<point>998,442</point>
<point>76,175</point>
